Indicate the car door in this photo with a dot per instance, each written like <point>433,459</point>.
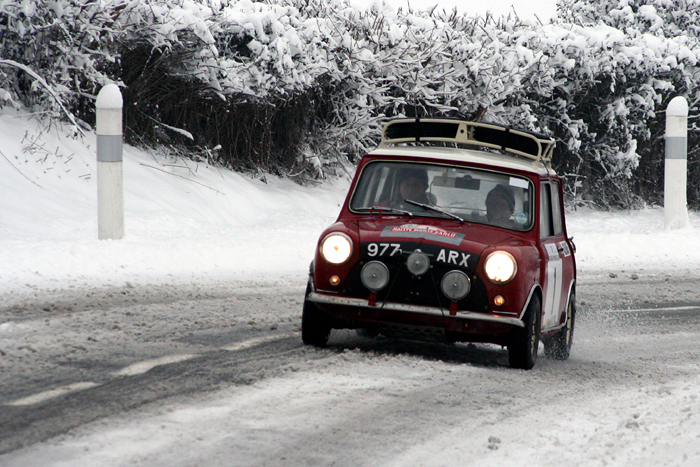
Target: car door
<point>553,248</point>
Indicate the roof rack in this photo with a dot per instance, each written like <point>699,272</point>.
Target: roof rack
<point>416,130</point>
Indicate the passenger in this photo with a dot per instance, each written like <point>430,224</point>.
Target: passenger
<point>500,204</point>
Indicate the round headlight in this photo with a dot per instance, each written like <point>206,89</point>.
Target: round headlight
<point>500,267</point>
<point>336,248</point>
<point>455,285</point>
<point>418,263</point>
<point>374,276</point>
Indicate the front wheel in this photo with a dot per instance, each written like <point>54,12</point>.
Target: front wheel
<point>522,349</point>
<point>558,346</point>
<point>315,324</point>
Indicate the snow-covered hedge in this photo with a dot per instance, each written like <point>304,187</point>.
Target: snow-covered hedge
<point>294,86</point>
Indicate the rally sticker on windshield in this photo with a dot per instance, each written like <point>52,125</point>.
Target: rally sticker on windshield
<point>426,232</point>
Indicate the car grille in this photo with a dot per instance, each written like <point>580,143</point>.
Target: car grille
<point>424,290</point>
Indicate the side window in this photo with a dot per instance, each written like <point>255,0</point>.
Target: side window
<point>557,220</point>
<point>546,226</point>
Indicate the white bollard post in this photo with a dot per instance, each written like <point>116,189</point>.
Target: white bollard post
<point>110,171</point>
<point>676,165</point>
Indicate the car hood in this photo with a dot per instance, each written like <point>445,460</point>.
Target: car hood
<point>434,234</point>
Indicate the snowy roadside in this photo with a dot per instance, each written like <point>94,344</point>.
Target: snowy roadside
<point>186,223</point>
<point>190,224</point>
<point>632,251</point>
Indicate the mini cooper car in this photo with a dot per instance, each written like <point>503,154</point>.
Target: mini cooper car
<point>452,231</point>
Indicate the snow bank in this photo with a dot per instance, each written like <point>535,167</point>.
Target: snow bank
<point>187,221</point>
<point>183,220</point>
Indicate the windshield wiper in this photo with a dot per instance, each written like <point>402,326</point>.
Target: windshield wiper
<point>436,209</point>
<point>388,210</point>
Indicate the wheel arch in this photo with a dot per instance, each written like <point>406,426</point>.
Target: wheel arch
<point>572,293</point>
<point>535,290</point>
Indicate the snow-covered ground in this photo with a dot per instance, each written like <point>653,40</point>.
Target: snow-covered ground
<point>183,221</point>
<point>189,223</point>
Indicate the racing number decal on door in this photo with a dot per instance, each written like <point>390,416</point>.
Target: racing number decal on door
<point>554,280</point>
<point>383,249</point>
<point>551,231</point>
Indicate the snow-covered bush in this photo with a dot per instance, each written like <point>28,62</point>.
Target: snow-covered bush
<point>644,54</point>
<point>68,44</point>
<point>667,18</point>
<point>294,86</point>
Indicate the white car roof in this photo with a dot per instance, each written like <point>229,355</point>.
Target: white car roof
<point>437,154</point>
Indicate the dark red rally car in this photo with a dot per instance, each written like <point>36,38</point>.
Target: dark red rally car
<point>451,231</point>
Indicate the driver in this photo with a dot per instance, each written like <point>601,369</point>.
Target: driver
<point>412,182</point>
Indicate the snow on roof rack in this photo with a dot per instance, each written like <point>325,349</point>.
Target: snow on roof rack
<point>416,130</point>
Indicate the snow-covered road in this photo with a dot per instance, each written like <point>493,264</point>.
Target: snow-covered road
<point>219,376</point>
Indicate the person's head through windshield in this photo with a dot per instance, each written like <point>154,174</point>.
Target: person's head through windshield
<point>412,185</point>
<point>500,203</point>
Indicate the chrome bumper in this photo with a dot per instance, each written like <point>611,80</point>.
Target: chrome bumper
<point>427,310</point>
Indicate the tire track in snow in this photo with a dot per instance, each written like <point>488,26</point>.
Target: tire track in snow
<point>135,369</point>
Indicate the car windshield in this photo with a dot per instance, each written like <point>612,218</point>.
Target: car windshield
<point>459,193</point>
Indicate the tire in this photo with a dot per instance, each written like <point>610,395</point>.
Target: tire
<point>558,346</point>
<point>522,349</point>
<point>315,324</point>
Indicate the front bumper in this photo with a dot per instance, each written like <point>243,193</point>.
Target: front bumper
<point>355,306</point>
